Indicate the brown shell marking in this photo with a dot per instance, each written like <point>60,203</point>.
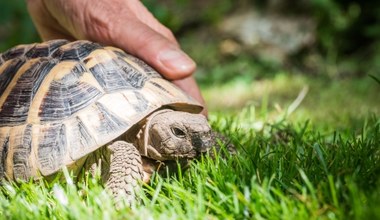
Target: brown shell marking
<point>4,146</point>
<point>52,147</point>
<point>20,96</point>
<point>15,148</point>
<point>1,60</point>
<point>12,60</point>
<point>66,100</point>
<point>7,73</point>
<point>21,152</point>
<point>16,52</point>
<point>67,96</point>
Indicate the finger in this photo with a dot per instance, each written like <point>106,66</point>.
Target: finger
<point>190,86</point>
<point>47,26</point>
<point>146,17</point>
<point>136,31</point>
<point>155,49</point>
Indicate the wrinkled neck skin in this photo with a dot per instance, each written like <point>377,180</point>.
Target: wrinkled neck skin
<point>170,135</point>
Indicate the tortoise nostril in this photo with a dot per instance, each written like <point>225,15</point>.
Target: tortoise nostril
<point>199,143</point>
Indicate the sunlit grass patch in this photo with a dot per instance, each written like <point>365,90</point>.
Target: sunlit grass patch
<point>327,103</point>
<point>282,170</point>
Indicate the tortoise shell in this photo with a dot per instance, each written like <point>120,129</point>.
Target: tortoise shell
<point>61,100</point>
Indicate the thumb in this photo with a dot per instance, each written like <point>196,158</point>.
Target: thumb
<point>158,51</point>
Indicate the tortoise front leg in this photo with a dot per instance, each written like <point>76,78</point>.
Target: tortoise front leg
<point>125,171</point>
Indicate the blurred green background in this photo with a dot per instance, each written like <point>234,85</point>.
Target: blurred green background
<point>264,53</point>
<point>16,27</point>
<point>347,31</point>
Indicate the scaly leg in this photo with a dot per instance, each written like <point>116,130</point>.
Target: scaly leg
<point>125,171</point>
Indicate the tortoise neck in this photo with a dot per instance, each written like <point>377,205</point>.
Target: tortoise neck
<point>145,148</point>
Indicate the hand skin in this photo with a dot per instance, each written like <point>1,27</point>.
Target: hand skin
<point>126,24</point>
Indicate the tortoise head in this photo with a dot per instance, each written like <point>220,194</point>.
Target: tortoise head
<point>177,135</point>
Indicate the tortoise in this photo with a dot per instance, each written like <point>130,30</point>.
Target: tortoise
<point>78,104</point>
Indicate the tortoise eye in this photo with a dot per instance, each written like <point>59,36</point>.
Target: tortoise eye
<point>178,132</point>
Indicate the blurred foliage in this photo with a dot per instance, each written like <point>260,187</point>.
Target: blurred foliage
<point>16,26</point>
<point>348,31</point>
<point>179,14</point>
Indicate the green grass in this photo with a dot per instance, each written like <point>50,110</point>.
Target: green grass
<point>328,104</point>
<point>282,171</point>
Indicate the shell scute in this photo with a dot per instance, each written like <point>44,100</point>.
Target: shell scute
<point>4,146</point>
<point>21,154</point>
<point>16,107</point>
<point>75,51</point>
<point>9,71</point>
<point>141,64</point>
<point>80,139</point>
<point>52,147</point>
<point>15,52</point>
<point>115,75</point>
<point>67,95</point>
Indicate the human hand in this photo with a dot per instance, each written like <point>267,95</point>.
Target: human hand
<point>126,24</point>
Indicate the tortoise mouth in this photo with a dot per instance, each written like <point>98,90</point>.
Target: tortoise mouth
<point>178,156</point>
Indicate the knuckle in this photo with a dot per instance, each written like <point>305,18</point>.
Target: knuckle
<point>98,23</point>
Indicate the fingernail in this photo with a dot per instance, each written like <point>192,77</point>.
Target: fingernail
<point>176,60</point>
